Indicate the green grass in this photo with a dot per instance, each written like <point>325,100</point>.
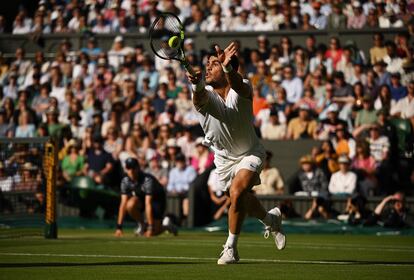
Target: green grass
<point>95,254</point>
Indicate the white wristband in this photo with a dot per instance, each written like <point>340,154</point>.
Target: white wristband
<point>227,69</point>
<point>198,87</point>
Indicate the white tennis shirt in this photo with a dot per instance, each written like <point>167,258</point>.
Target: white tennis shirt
<point>228,125</point>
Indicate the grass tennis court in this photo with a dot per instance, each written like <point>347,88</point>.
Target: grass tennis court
<point>95,254</point>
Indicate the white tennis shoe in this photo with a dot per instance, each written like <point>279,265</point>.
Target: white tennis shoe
<point>229,255</point>
<point>276,229</point>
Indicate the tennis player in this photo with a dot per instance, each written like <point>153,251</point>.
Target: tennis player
<point>224,103</point>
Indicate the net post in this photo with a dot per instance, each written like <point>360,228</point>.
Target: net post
<point>50,163</point>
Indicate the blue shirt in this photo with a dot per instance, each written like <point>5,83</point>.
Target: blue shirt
<point>398,93</point>
<point>179,180</point>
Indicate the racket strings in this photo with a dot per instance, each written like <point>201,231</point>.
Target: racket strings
<point>163,29</point>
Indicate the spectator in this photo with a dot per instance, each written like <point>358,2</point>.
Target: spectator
<point>220,201</point>
<point>26,127</point>
<point>159,172</point>
<point>271,179</point>
<point>243,23</point>
<point>6,128</point>
<point>365,167</point>
<point>73,163</point>
<point>99,164</point>
<point>356,212</point>
<point>318,20</point>
<point>391,212</point>
<point>293,85</point>
<point>405,106</point>
<point>310,180</point>
<point>343,143</point>
<point>320,208</point>
<point>336,20</point>
<point>303,126</point>
<point>394,63</point>
<point>358,20</point>
<point>379,144</point>
<point>334,52</point>
<point>76,129</point>
<point>326,158</point>
<point>202,159</point>
<point>398,91</point>
<point>327,127</point>
<point>378,51</point>
<point>368,115</point>
<point>6,181</point>
<point>179,179</point>
<point>273,129</point>
<point>344,181</point>
<point>113,144</point>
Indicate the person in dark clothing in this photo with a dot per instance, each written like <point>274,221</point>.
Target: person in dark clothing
<point>356,212</point>
<point>99,164</point>
<point>391,212</point>
<point>142,192</point>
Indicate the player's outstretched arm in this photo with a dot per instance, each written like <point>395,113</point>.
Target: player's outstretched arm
<point>233,77</point>
<point>198,86</point>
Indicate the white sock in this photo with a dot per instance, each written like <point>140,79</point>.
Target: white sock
<point>232,240</point>
<point>267,220</point>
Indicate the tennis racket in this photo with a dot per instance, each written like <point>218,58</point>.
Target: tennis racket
<point>167,39</point>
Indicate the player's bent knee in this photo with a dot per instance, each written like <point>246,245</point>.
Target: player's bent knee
<point>131,204</point>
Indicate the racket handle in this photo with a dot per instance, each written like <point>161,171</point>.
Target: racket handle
<point>188,67</point>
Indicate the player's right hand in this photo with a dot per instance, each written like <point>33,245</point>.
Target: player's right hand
<point>118,233</point>
<point>197,77</point>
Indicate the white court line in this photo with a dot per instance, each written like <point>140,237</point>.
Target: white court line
<point>201,259</point>
<point>263,245</point>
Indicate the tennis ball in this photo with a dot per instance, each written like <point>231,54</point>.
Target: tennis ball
<point>174,42</point>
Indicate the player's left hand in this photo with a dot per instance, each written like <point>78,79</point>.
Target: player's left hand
<point>225,56</point>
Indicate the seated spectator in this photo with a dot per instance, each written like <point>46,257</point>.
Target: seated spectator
<point>398,91</point>
<point>293,85</point>
<point>55,129</point>
<point>6,181</point>
<point>303,126</point>
<point>379,144</point>
<point>343,143</point>
<point>26,128</point>
<point>273,129</point>
<point>343,182</point>
<point>366,116</point>
<point>202,159</point>
<point>30,181</point>
<point>356,212</point>
<point>271,179</point>
<point>378,51</point>
<point>73,163</point>
<point>390,212</point>
<point>336,19</point>
<point>99,164</point>
<point>385,100</point>
<point>308,99</point>
<point>358,20</point>
<point>327,127</point>
<point>76,129</point>
<point>179,179</point>
<point>310,180</point>
<point>334,51</point>
<point>405,106</point>
<point>220,201</point>
<point>325,158</point>
<point>365,167</point>
<point>320,208</point>
<point>155,169</point>
<point>318,19</point>
<point>113,143</point>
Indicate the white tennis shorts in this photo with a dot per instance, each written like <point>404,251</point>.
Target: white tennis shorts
<point>228,168</point>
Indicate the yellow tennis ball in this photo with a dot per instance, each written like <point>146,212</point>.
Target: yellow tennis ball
<point>174,42</point>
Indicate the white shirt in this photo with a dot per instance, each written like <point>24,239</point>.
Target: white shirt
<point>294,89</point>
<point>342,182</point>
<point>406,107</point>
<point>228,124</point>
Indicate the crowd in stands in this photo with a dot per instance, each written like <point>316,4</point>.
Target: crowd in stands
<point>100,16</point>
<point>107,106</point>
